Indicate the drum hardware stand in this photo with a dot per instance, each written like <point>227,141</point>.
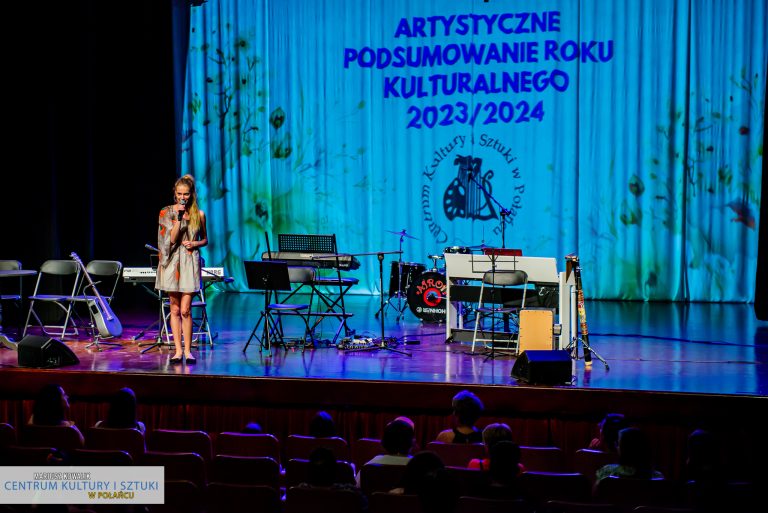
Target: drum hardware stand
<point>572,262</point>
<point>400,293</point>
<point>434,259</point>
<point>383,340</point>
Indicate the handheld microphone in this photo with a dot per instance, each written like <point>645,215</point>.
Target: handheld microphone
<point>151,248</point>
<point>180,213</point>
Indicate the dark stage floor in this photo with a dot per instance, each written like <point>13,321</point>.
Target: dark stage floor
<point>660,347</point>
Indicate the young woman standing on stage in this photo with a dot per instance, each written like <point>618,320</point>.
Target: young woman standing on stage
<point>180,235</point>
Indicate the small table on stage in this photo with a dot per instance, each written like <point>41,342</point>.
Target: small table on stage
<point>14,273</point>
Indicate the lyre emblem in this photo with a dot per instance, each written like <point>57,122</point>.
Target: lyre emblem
<point>463,197</point>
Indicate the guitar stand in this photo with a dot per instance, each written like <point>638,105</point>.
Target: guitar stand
<point>96,341</point>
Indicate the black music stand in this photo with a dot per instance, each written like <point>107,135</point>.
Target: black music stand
<point>270,277</point>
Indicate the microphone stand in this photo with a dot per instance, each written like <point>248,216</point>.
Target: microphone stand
<point>503,211</point>
<point>382,342</point>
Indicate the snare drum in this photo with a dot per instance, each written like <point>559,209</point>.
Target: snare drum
<point>426,296</point>
<point>435,259</point>
<point>462,250</point>
<point>410,270</point>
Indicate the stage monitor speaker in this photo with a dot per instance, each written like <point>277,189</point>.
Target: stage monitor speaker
<point>44,352</point>
<point>543,367</point>
<point>536,327</point>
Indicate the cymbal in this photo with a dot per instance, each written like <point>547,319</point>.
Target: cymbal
<point>402,234</point>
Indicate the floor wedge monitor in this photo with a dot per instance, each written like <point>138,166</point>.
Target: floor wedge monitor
<point>44,352</point>
<point>543,367</point>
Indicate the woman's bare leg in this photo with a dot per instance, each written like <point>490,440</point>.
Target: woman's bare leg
<point>176,321</point>
<point>186,322</point>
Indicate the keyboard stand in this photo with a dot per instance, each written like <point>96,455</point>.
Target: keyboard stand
<point>158,342</point>
<point>148,327</point>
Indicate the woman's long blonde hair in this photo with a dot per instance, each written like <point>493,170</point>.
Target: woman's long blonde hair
<point>192,208</point>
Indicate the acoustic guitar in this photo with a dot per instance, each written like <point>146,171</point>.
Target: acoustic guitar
<point>106,321</point>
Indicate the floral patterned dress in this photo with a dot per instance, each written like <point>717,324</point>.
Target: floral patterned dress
<point>178,269</point>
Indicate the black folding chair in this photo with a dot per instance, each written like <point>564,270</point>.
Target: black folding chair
<point>57,281</point>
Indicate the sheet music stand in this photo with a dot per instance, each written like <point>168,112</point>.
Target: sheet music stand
<point>271,277</point>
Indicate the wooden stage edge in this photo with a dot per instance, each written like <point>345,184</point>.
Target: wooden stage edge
<point>561,416</point>
<point>400,397</point>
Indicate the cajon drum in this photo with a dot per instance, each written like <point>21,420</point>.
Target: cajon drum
<point>536,329</point>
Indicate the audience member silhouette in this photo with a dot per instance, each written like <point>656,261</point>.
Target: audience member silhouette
<point>707,482</point>
<point>122,412</point>
<point>426,478</point>
<point>503,472</point>
<point>634,458</point>
<point>322,473</point>
<point>422,465</point>
<point>253,428</point>
<point>703,461</point>
<point>51,407</point>
<point>440,493</point>
<point>467,409</point>
<point>322,467</point>
<point>322,425</point>
<point>397,442</point>
<point>608,437</point>
<point>492,434</point>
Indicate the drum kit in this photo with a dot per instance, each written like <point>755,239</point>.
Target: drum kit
<point>413,286</point>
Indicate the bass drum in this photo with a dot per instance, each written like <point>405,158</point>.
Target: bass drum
<point>410,271</point>
<point>426,296</point>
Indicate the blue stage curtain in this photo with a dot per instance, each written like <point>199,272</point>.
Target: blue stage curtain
<point>642,154</point>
